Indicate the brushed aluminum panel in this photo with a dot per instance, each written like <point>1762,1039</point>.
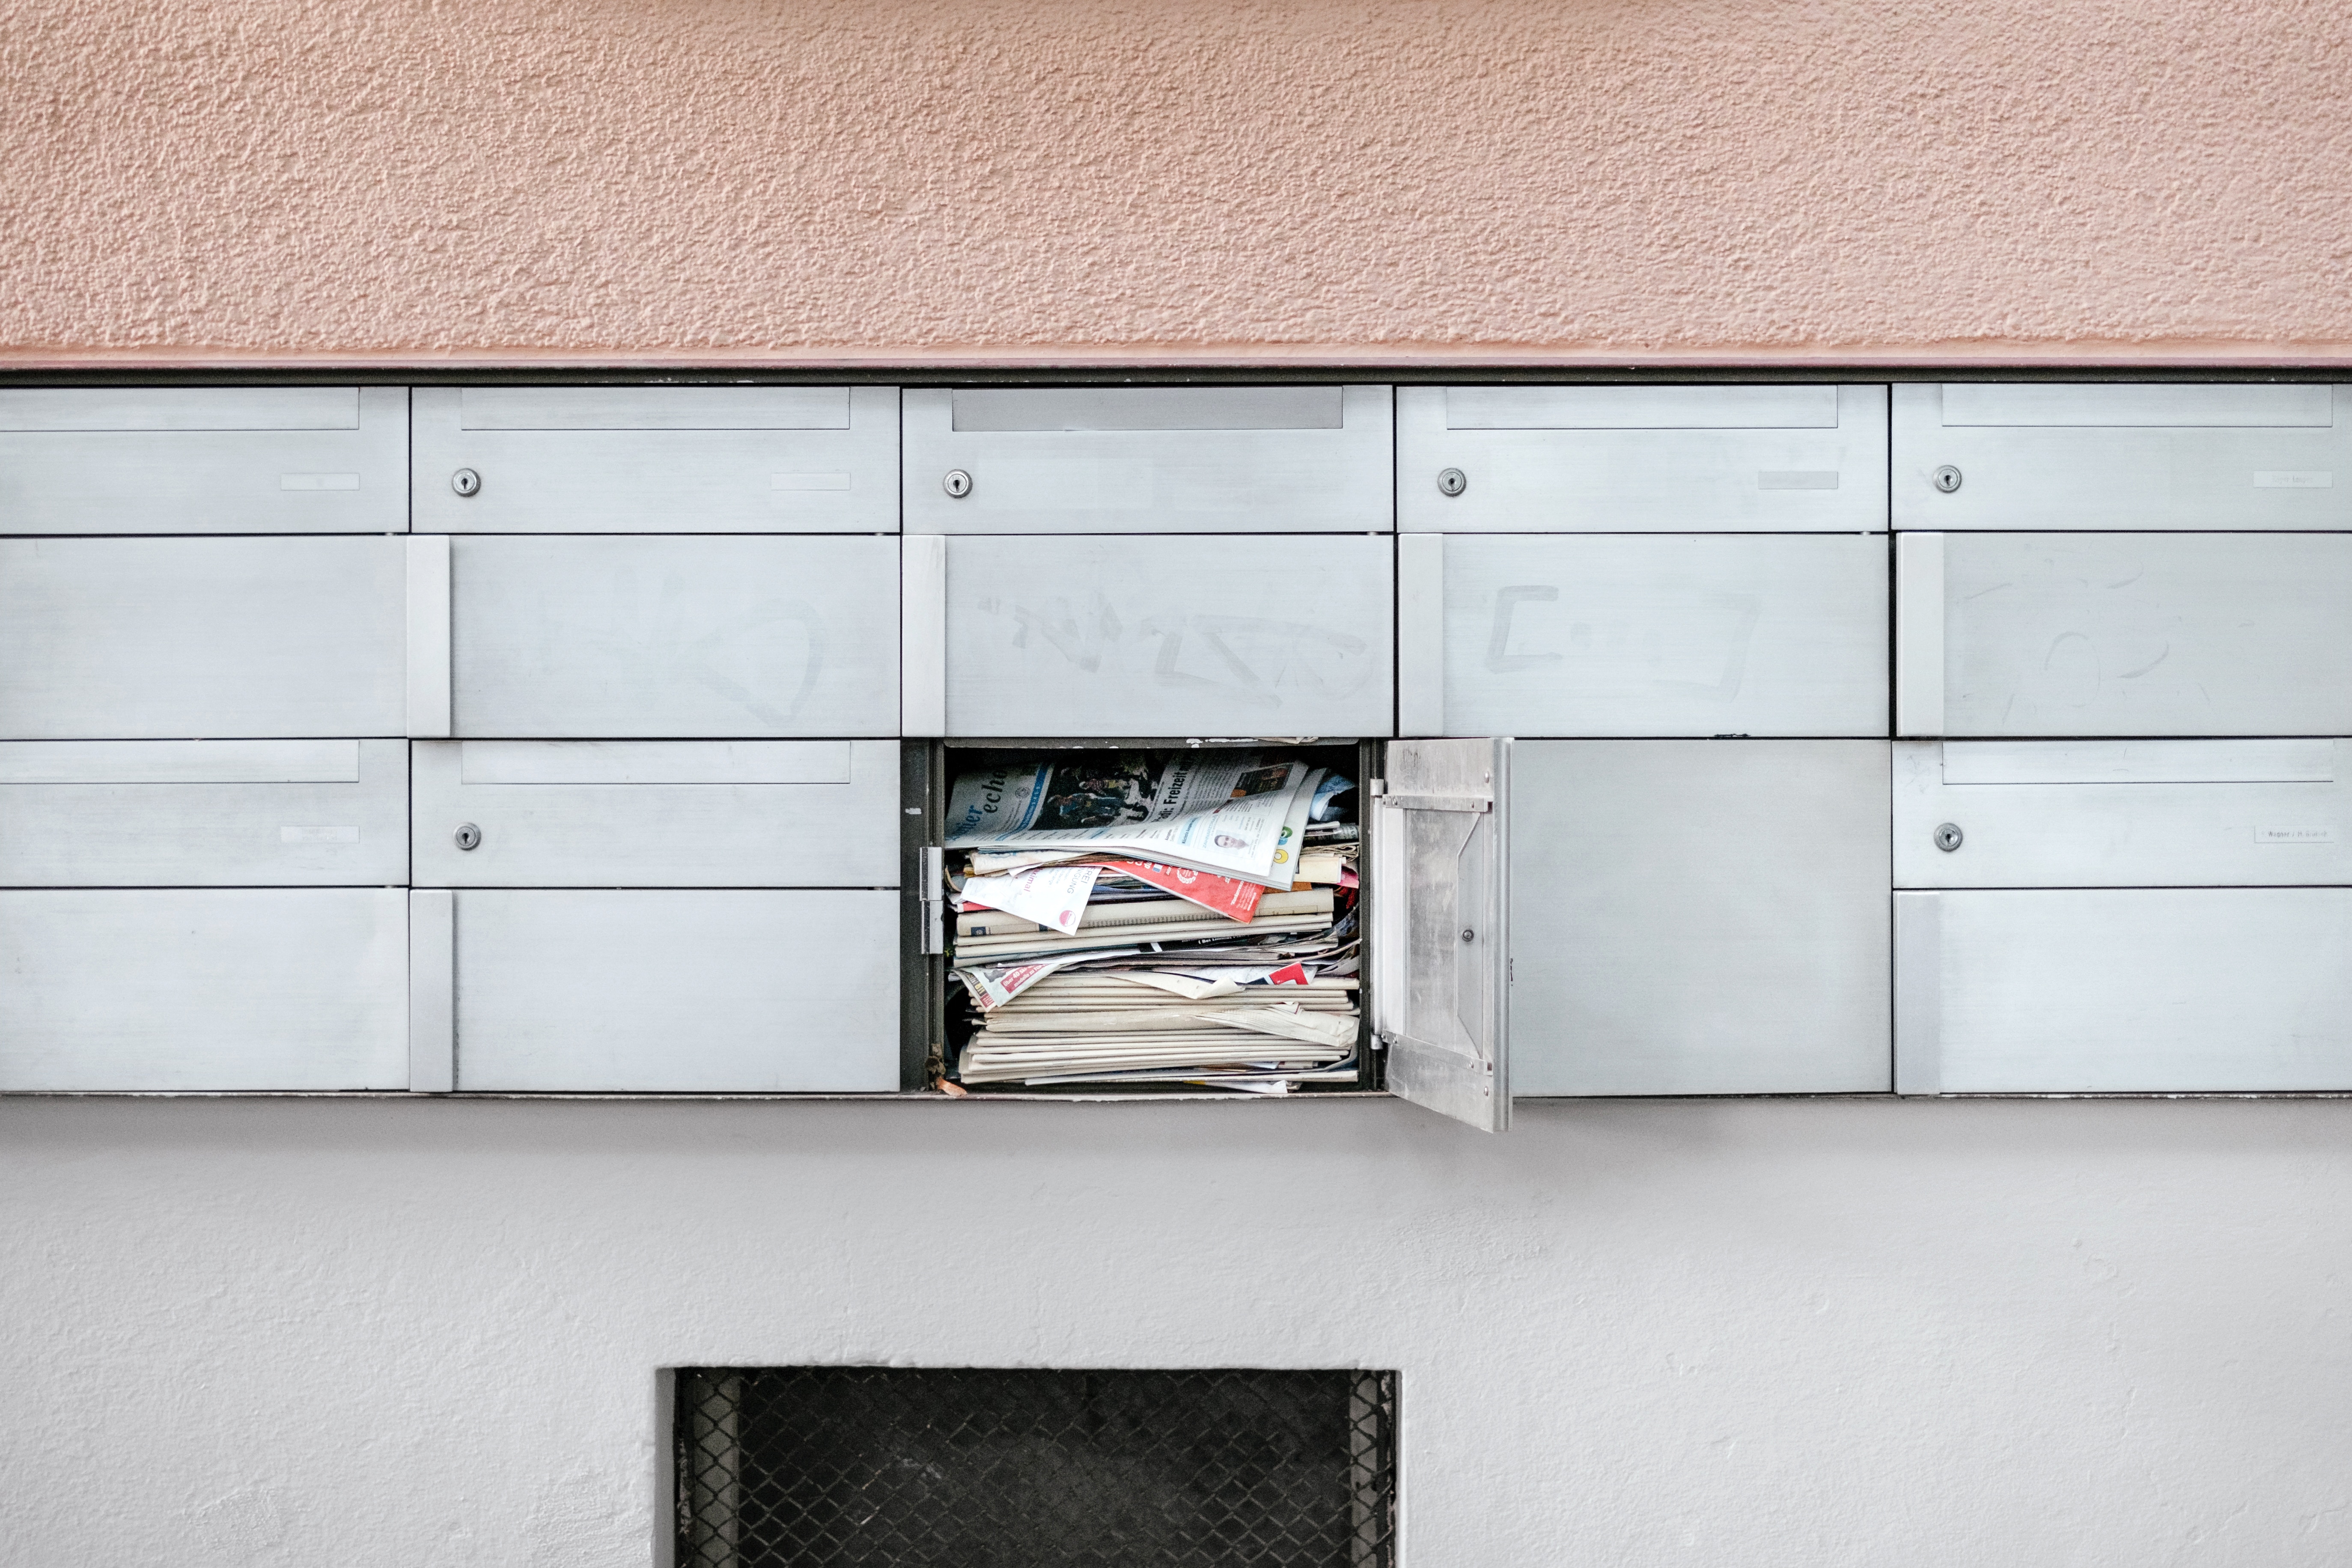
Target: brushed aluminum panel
<point>1441,943</point>
<point>705,992</point>
<point>170,638</point>
<point>432,991</point>
<point>1220,460</point>
<point>1643,407</point>
<point>1618,635</point>
<point>1755,459</point>
<point>150,460</point>
<point>2170,990</point>
<point>668,831</point>
<point>214,989</point>
<point>1119,636</point>
<point>615,637</point>
<point>158,831</point>
<point>659,459</point>
<point>2132,457</point>
<point>2129,813</point>
<point>1700,917</point>
<point>2146,634</point>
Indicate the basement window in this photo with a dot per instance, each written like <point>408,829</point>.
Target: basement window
<point>988,1468</point>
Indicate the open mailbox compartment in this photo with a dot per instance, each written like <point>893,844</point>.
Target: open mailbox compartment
<point>1433,969</point>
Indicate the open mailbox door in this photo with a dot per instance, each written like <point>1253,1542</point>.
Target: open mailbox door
<point>1441,952</point>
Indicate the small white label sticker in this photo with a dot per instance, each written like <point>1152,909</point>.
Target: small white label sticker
<point>1796,479</point>
<point>318,835</point>
<point>2293,479</point>
<point>808,481</point>
<point>2295,836</point>
<point>318,482</point>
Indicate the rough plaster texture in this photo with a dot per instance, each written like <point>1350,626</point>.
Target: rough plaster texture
<point>426,1335</point>
<point>710,180</point>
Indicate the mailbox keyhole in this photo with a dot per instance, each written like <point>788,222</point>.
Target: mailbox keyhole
<point>468,836</point>
<point>1947,836</point>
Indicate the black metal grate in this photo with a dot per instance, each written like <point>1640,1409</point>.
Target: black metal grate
<point>849,1467</point>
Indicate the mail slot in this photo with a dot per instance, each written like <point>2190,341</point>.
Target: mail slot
<point>1282,635</point>
<point>1641,460</point>
<point>2134,456</point>
<point>203,460</point>
<point>2123,813</point>
<point>1699,917</point>
<point>678,992</point>
<point>203,813</point>
<point>656,813</point>
<point>687,635</point>
<point>2122,634</point>
<point>1657,634</point>
<point>177,639</point>
<point>208,989</point>
<point>657,459</point>
<point>1149,460</point>
<point>2144,989</point>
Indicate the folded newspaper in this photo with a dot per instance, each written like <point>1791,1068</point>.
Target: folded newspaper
<point>1182,929</point>
<point>1233,814</point>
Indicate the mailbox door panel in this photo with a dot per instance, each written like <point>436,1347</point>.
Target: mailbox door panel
<point>206,990</point>
<point>1627,460</point>
<point>1121,635</point>
<point>170,638</point>
<point>2169,989</point>
<point>2153,635</point>
<point>1611,635</point>
<point>2124,455</point>
<point>1158,459</point>
<point>196,814</point>
<point>149,460</point>
<point>1699,917</point>
<point>660,813</point>
<point>694,636</point>
<point>2123,813</point>
<point>677,991</point>
<point>657,459</point>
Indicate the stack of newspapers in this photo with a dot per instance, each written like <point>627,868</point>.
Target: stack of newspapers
<point>1185,918</point>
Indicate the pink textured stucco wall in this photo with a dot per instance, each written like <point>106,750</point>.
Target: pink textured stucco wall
<point>718,180</point>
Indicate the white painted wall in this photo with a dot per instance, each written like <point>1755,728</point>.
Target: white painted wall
<point>1758,1332</point>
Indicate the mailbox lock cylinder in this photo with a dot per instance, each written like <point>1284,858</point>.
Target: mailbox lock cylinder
<point>1452,482</point>
<point>958,483</point>
<point>468,837</point>
<point>1947,836</point>
<point>466,481</point>
<point>1946,479</point>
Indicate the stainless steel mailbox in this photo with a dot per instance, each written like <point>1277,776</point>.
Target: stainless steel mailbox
<point>663,991</point>
<point>687,635</point>
<point>1699,917</point>
<point>1657,635</point>
<point>1149,460</point>
<point>2121,454</point>
<point>178,639</point>
<point>2122,634</point>
<point>212,989</point>
<point>2158,991</point>
<point>203,813</point>
<point>673,814</point>
<point>1641,460</point>
<point>1287,635</point>
<point>657,459</point>
<point>2123,813</point>
<point>203,460</point>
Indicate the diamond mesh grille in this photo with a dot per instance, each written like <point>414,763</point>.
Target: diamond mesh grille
<point>851,1467</point>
